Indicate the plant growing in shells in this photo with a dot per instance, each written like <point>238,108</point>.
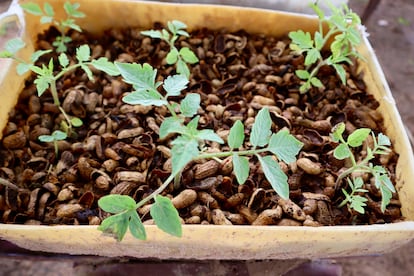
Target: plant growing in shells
<point>270,139</point>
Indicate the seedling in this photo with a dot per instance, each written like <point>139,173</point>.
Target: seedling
<point>179,57</point>
<point>56,136</point>
<point>344,150</point>
<point>46,75</point>
<point>355,201</point>
<point>342,25</point>
<point>190,144</point>
<point>47,16</point>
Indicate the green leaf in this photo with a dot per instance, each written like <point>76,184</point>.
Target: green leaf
<point>14,45</point>
<point>259,136</point>
<point>285,146</point>
<point>236,135</point>
<point>116,225</point>
<point>275,176</point>
<point>23,68</point>
<point>316,82</point>
<point>166,216</point>
<point>240,168</point>
<point>386,197</point>
<point>48,9</point>
<point>106,66</point>
<point>209,135</point>
<point>188,55</point>
<point>175,84</point>
<point>115,203</point>
<point>340,70</point>
<point>319,42</point>
<point>76,122</point>
<point>59,135</point>
<point>190,104</point>
<point>341,152</point>
<point>46,19</point>
<point>358,203</point>
<point>142,77</point>
<point>42,83</point>
<point>178,25</point>
<point>63,60</point>
<point>136,227</point>
<point>172,56</point>
<point>302,39</point>
<point>83,53</point>
<point>383,140</point>
<point>182,152</point>
<point>171,125</point>
<point>312,56</point>
<point>71,9</point>
<point>337,132</point>
<point>32,8</point>
<point>318,10</point>
<point>152,34</point>
<point>144,98</point>
<point>302,74</point>
<point>182,68</point>
<point>46,138</point>
<point>87,70</point>
<point>36,55</point>
<point>356,138</point>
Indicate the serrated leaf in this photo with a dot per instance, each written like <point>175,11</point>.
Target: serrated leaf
<point>285,146</point>
<point>14,45</point>
<point>240,168</point>
<point>166,216</point>
<point>340,70</point>
<point>115,203</point>
<point>32,8</point>
<point>171,125</point>
<point>103,64</point>
<point>46,19</point>
<point>356,138</point>
<point>274,174</point>
<point>188,55</point>
<point>358,203</point>
<point>116,225</point>
<point>83,53</point>
<point>36,55</point>
<point>63,60</point>
<point>172,56</point>
<point>42,84</point>
<point>312,56</point>
<point>190,104</point>
<point>182,152</point>
<point>136,227</point>
<point>302,74</point>
<point>142,77</point>
<point>209,135</point>
<point>152,34</point>
<point>259,136</point>
<point>319,42</point>
<point>23,68</point>
<point>386,197</point>
<point>236,136</point>
<point>144,98</point>
<point>341,152</point>
<point>175,84</point>
<point>302,39</point>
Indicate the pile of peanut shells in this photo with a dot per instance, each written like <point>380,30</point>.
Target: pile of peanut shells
<point>118,151</point>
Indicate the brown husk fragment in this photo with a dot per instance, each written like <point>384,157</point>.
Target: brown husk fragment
<point>117,150</point>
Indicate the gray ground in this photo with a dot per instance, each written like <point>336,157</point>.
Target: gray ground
<point>392,35</point>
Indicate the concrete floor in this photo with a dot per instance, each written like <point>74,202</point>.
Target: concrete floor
<point>392,36</point>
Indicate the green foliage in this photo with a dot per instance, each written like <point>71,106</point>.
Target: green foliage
<point>56,136</point>
<point>180,57</point>
<point>380,174</point>
<point>342,25</point>
<point>355,201</point>
<point>47,17</point>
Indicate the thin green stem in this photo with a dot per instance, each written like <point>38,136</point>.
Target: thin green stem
<point>156,192</point>
<point>229,153</point>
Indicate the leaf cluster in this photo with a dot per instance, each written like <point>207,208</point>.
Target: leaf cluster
<point>381,146</point>
<point>343,28</point>
<point>180,57</point>
<point>47,17</point>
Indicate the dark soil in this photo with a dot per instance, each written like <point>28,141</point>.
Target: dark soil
<point>118,149</point>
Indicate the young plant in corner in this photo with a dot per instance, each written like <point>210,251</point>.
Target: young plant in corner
<point>189,145</point>
<point>381,145</point>
<point>343,28</point>
<point>47,16</point>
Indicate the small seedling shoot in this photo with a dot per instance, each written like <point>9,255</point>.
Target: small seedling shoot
<point>47,17</point>
<point>343,29</point>
<point>381,144</point>
<point>56,136</point>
